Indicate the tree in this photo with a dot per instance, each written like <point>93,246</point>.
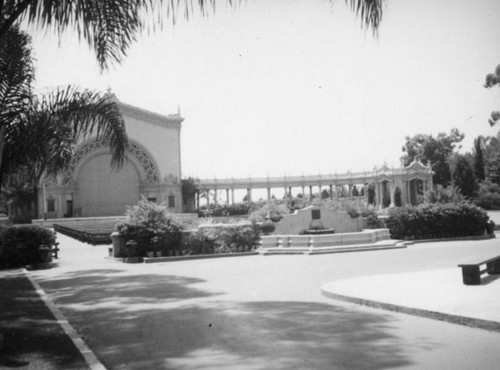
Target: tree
<point>436,151</point>
<point>111,26</point>
<point>462,175</point>
<point>108,26</point>
<point>16,76</point>
<point>492,158</point>
<point>43,142</point>
<point>479,165</point>
<point>493,79</point>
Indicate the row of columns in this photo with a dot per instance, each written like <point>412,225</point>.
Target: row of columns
<point>381,188</point>
<point>288,192</point>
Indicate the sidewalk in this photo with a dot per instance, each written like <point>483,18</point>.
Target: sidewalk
<point>436,294</point>
<point>30,335</point>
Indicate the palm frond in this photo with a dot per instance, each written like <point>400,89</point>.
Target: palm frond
<point>369,11</point>
<point>16,75</point>
<point>88,112</point>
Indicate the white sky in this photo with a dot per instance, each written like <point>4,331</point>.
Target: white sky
<point>295,87</point>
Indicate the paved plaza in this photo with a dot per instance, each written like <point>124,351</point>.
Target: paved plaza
<point>268,312</point>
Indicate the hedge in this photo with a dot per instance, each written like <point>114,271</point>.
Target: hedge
<point>24,245</point>
<point>221,239</point>
<point>431,221</point>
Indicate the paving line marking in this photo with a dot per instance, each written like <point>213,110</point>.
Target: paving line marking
<point>89,356</point>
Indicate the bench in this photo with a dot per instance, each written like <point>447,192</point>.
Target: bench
<point>471,272</point>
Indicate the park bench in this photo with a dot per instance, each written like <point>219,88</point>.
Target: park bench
<point>471,272</point>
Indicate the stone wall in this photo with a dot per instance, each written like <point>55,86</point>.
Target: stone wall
<point>303,220</point>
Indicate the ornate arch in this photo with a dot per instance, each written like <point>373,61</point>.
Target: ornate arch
<point>135,151</point>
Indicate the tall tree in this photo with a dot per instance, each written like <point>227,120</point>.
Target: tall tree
<point>479,165</point>
<point>493,79</point>
<point>434,150</point>
<point>462,175</point>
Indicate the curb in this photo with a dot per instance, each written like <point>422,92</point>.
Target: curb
<point>89,356</point>
<point>434,315</point>
<point>198,257</point>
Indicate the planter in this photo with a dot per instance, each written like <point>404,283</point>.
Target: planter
<point>119,249</point>
<point>44,255</point>
<point>132,248</point>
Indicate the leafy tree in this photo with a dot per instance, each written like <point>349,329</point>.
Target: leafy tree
<point>492,158</point>
<point>434,150</point>
<point>479,164</point>
<point>493,79</point>
<point>462,175</point>
<point>371,194</point>
<point>355,192</point>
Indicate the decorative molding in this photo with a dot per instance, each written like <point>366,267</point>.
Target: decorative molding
<point>134,150</point>
<point>171,121</point>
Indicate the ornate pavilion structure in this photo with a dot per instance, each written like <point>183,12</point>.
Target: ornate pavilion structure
<point>152,168</point>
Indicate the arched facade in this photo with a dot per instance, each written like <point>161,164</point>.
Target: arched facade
<point>152,168</point>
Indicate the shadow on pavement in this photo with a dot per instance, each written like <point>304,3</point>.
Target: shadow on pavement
<point>31,338</point>
<point>165,322</point>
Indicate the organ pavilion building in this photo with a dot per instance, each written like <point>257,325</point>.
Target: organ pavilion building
<point>152,168</point>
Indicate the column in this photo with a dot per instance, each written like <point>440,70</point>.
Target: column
<point>215,196</point>
<point>249,195</point>
<point>268,193</point>
<point>350,191</point>
<point>392,189</point>
<point>232,196</point>
<point>208,197</point>
<point>331,192</point>
<point>378,199</point>
<point>310,192</point>
<point>290,191</point>
<point>197,206</point>
<point>227,196</point>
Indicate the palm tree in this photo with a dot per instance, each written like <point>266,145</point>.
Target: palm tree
<point>16,76</point>
<point>108,26</point>
<point>43,142</point>
<point>111,26</point>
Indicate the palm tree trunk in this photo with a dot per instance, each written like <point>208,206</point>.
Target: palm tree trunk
<point>2,140</point>
<point>35,201</point>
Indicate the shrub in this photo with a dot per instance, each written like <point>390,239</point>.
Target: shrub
<point>24,245</point>
<point>436,221</point>
<point>221,239</point>
<point>488,196</point>
<point>271,209</point>
<point>151,226</point>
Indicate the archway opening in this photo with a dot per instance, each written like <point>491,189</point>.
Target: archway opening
<point>106,192</point>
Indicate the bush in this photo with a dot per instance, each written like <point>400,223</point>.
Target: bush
<point>222,239</point>
<point>151,226</point>
<point>430,221</point>
<point>270,209</point>
<point>24,245</point>
<point>488,196</point>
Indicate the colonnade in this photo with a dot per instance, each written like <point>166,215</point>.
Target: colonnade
<point>408,182</point>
